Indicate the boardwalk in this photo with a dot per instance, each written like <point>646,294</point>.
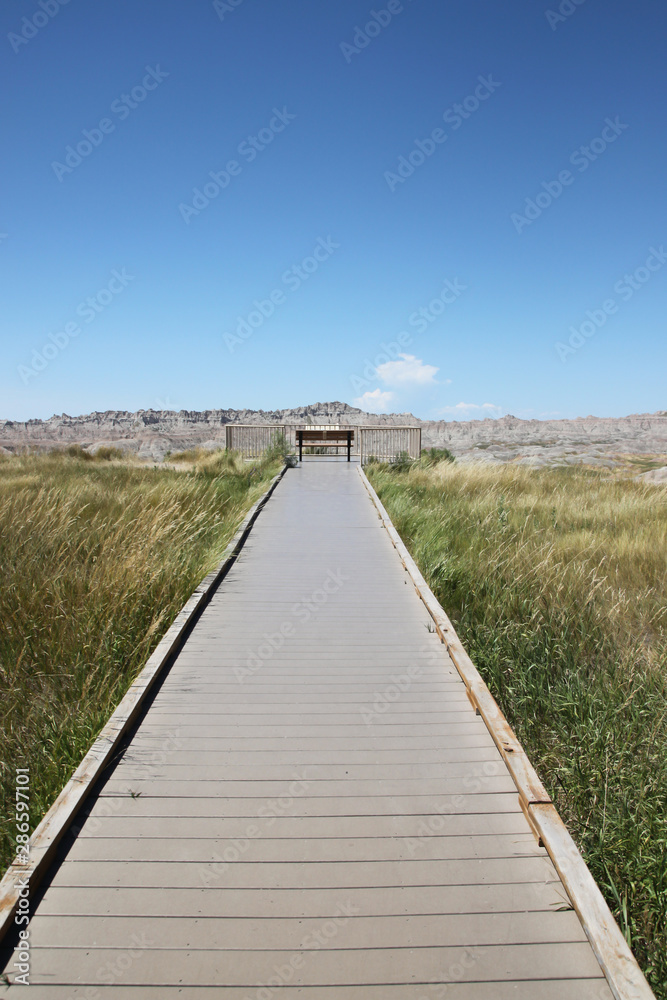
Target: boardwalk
<point>310,807</point>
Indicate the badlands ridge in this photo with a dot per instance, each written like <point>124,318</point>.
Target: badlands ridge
<point>151,434</point>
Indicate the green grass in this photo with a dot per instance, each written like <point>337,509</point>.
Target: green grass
<point>431,456</point>
<point>96,560</point>
<point>556,583</point>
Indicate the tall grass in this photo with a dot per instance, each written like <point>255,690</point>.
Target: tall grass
<point>96,559</point>
<point>556,581</point>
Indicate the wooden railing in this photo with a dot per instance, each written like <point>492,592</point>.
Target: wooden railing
<point>384,443</point>
<point>388,443</point>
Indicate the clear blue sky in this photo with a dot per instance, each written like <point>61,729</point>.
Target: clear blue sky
<point>331,114</point>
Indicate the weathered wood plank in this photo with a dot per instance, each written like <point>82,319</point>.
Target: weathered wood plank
<point>579,989</point>
<point>360,805</point>
<point>316,875</point>
<point>222,901</point>
<point>351,730</point>
<point>281,763</point>
<point>307,786</point>
<point>267,934</point>
<point>301,828</point>
<point>245,773</point>
<point>255,845</point>
<point>319,967</point>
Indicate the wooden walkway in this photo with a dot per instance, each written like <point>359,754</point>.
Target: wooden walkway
<point>310,807</point>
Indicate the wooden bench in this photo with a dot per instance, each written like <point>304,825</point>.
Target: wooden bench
<point>325,438</point>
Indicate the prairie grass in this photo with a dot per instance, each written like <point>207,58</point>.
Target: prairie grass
<point>188,457</point>
<point>96,560</point>
<point>105,453</point>
<point>556,581</point>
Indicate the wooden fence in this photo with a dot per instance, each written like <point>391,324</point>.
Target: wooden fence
<point>388,443</point>
<point>253,440</point>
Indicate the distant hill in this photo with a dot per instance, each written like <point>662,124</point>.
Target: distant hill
<point>153,433</point>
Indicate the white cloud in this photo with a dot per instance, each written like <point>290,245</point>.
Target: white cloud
<point>375,402</point>
<point>472,411</point>
<point>408,371</point>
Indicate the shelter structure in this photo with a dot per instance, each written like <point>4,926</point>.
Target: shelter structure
<point>362,441</point>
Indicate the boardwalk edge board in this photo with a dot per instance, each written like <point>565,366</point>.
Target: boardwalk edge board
<point>56,822</point>
<point>625,978</point>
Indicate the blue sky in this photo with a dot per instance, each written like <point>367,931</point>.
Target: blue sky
<point>455,208</point>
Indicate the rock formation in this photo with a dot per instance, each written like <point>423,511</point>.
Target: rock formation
<point>153,433</point>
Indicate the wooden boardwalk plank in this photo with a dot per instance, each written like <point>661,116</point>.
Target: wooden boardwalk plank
<point>281,763</point>
<point>267,934</point>
<point>329,966</point>
<point>295,850</point>
<point>315,875</point>
<point>386,805</point>
<point>580,989</point>
<point>253,787</point>
<point>117,823</point>
<point>324,774</point>
<point>219,900</point>
<point>383,727</point>
<point>371,737</point>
